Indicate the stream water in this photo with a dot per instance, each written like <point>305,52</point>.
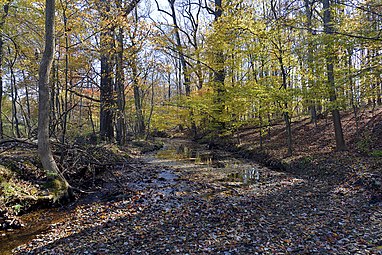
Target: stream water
<point>36,223</point>
<point>184,154</point>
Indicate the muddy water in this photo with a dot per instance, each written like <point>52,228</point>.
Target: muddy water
<point>36,223</point>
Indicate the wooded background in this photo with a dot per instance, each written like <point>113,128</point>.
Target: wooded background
<point>130,68</point>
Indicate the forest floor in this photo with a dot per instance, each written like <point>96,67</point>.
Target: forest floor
<point>314,154</point>
<point>188,199</point>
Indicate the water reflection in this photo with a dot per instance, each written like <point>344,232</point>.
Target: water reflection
<point>184,152</point>
<point>233,170</point>
<point>246,176</point>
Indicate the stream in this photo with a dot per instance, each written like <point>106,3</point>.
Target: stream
<point>176,164</point>
<point>35,223</point>
<point>186,156</point>
<point>187,199</point>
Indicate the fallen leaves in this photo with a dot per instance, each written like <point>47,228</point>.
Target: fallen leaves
<point>184,208</point>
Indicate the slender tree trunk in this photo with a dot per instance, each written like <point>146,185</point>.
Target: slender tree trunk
<point>219,75</point>
<point>261,131</point>
<point>140,124</point>
<point>2,22</point>
<point>199,71</point>
<point>352,91</point>
<point>14,92</point>
<point>120,89</point>
<point>28,112</point>
<point>120,86</point>
<point>151,108</point>
<point>288,130</point>
<point>328,26</point>
<point>1,84</point>
<point>311,102</point>
<point>269,126</point>
<point>91,119</point>
<point>53,113</point>
<point>287,121</point>
<point>44,147</point>
<point>179,77</point>
<point>186,75</point>
<point>65,104</point>
<point>56,98</point>
<point>179,46</point>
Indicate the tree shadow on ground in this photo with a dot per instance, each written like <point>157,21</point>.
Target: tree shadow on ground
<point>302,218</point>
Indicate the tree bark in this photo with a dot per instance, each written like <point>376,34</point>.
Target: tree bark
<point>106,86</point>
<point>140,122</point>
<point>219,75</point>
<point>65,105</point>
<point>28,111</point>
<point>328,27</point>
<point>120,89</point>
<point>44,148</point>
<point>287,120</point>
<point>2,22</point>
<point>1,84</point>
<point>311,102</point>
<point>14,95</point>
<point>120,86</point>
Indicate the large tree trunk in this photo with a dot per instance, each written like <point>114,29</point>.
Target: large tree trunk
<point>106,86</point>
<point>328,26</point>
<point>60,184</point>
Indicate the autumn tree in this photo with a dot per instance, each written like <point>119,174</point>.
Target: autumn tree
<point>328,26</point>
<point>44,147</point>
<point>106,85</point>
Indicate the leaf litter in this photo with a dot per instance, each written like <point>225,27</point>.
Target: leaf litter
<point>157,206</point>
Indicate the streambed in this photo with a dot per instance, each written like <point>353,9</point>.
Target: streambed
<point>177,165</point>
<point>186,198</point>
